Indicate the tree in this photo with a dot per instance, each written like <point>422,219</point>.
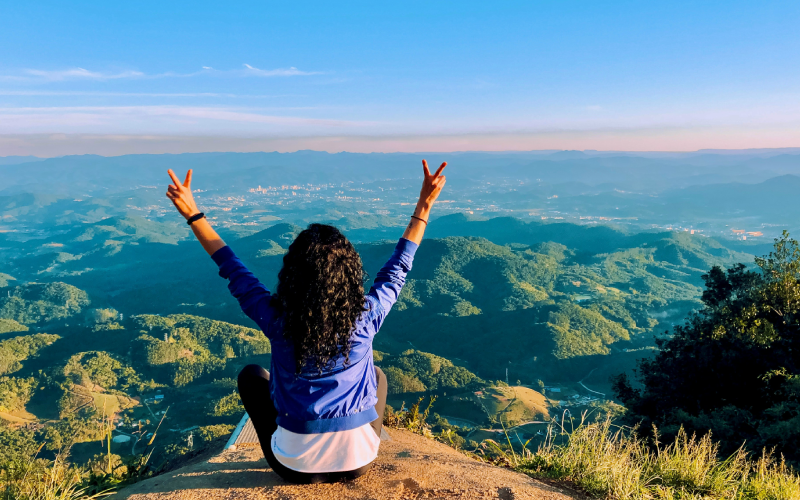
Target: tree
<point>228,406</point>
<point>417,371</point>
<point>16,443</point>
<point>15,392</point>
<point>400,382</point>
<point>9,325</point>
<point>93,368</point>
<point>100,316</point>
<point>734,367</point>
<point>209,433</point>
<point>17,349</point>
<point>41,303</point>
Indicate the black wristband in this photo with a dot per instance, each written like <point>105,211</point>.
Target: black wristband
<point>195,217</point>
<point>420,219</point>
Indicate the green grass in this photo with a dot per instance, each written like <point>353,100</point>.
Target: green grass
<point>33,478</point>
<point>614,463</point>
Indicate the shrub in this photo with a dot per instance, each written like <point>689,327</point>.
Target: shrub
<point>227,406</point>
<point>209,433</point>
<point>411,419</point>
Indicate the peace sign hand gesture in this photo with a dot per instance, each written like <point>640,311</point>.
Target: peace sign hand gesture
<point>181,194</point>
<point>432,185</point>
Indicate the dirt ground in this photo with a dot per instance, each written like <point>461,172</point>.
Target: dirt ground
<point>408,466</point>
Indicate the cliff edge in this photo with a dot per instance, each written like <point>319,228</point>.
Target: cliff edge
<point>408,466</point>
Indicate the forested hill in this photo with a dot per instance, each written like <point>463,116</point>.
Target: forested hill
<point>119,315</point>
<point>542,294</point>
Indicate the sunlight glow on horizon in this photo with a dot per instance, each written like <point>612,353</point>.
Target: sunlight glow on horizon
<point>639,140</point>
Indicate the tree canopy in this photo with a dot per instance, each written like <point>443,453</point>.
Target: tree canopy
<point>42,302</point>
<point>416,371</point>
<point>734,367</point>
<point>17,349</point>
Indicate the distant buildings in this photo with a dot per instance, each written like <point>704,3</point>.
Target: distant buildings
<point>743,234</point>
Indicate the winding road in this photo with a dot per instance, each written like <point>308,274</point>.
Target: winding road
<point>584,386</point>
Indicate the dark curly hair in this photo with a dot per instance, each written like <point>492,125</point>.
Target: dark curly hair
<point>320,295</point>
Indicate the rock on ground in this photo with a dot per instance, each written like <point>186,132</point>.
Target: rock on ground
<point>408,467</point>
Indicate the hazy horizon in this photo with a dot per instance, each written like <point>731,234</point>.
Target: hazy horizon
<point>56,145</point>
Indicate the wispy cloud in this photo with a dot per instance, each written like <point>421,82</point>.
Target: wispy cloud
<point>250,70</point>
<point>92,93</point>
<point>164,119</point>
<point>77,74</point>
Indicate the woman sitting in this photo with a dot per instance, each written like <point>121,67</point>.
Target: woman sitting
<point>318,411</point>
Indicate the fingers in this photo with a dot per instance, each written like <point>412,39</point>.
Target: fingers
<point>174,178</point>
<point>439,170</point>
<point>188,182</point>
<point>425,168</point>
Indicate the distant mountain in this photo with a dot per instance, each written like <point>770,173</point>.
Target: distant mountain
<point>224,171</point>
<point>16,160</point>
<point>775,198</point>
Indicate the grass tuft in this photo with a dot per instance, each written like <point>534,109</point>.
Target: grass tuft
<point>32,478</point>
<point>614,462</point>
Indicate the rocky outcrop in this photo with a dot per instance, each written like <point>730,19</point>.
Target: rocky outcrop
<point>409,466</point>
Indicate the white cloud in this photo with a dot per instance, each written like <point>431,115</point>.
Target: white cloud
<point>94,93</point>
<point>164,119</point>
<point>40,75</point>
<point>250,70</point>
<point>79,74</point>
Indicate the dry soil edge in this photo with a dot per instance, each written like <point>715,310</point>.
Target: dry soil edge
<point>408,467</point>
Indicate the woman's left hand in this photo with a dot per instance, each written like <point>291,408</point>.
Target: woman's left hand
<point>181,194</point>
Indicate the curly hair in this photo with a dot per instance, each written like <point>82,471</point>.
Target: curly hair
<point>320,294</point>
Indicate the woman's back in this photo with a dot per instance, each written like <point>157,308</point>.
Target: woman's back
<point>341,394</point>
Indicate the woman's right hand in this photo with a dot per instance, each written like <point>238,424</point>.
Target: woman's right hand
<point>181,194</point>
<point>431,186</point>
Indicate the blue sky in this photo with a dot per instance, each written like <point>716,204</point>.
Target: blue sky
<point>417,76</point>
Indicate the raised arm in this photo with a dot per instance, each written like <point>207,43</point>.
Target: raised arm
<point>432,185</point>
<point>181,196</point>
<point>391,278</point>
<point>253,297</point>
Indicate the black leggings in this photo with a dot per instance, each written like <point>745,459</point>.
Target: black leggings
<point>255,394</point>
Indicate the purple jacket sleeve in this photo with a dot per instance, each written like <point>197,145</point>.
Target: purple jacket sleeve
<point>253,296</point>
<point>391,278</point>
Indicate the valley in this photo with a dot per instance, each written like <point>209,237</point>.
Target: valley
<point>110,312</point>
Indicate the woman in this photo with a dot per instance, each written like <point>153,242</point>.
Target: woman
<point>318,412</point>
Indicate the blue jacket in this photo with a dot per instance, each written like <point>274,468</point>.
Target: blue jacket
<point>343,397</point>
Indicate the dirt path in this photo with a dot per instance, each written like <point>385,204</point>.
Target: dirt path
<point>408,467</point>
<point>21,417</point>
